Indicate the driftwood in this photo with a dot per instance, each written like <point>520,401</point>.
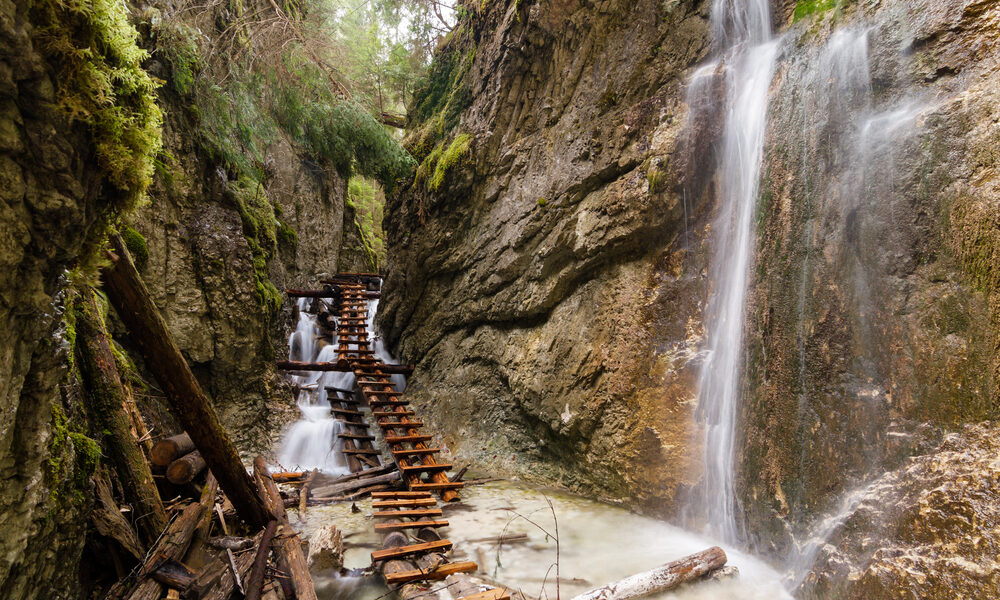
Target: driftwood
<point>287,546</point>
<point>229,542</point>
<point>304,493</point>
<point>131,299</point>
<point>660,579</point>
<point>174,574</point>
<point>223,581</point>
<point>173,545</point>
<point>186,468</point>
<point>170,449</point>
<point>323,493</point>
<point>107,401</point>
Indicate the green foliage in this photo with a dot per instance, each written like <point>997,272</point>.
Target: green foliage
<point>367,201</point>
<point>457,151</point>
<point>440,100</point>
<point>136,245</point>
<point>656,179</point>
<point>101,83</point>
<point>805,8</point>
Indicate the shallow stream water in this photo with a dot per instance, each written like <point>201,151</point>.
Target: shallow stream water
<point>599,543</point>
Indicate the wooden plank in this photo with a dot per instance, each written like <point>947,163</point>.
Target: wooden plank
<point>408,469</point>
<point>451,485</point>
<point>410,425</point>
<point>355,436</point>
<point>404,503</point>
<point>361,451</point>
<point>416,451</point>
<point>410,514</point>
<point>404,551</point>
<point>413,439</point>
<point>388,402</point>
<point>345,411</point>
<point>382,392</point>
<point>393,413</point>
<point>441,572</point>
<point>409,525</point>
<point>494,594</point>
<point>401,494</point>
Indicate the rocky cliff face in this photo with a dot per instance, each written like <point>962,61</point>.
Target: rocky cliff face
<point>547,279</point>
<point>548,266</point>
<point>63,177</point>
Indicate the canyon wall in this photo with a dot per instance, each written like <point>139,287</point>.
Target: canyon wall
<point>547,268</point>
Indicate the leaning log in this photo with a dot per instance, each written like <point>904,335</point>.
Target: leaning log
<point>186,468</point>
<point>660,579</point>
<point>287,547</point>
<point>107,402</point>
<point>342,365</point>
<point>170,449</point>
<point>256,581</point>
<point>131,299</point>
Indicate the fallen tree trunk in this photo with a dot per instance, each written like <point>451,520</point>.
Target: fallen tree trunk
<point>108,400</point>
<point>287,546</point>
<point>322,493</point>
<point>131,299</point>
<point>660,579</point>
<point>185,468</point>
<point>170,449</point>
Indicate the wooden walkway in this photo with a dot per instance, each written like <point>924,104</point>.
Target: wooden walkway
<point>410,520</point>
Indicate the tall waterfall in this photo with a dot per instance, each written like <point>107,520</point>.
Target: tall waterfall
<point>748,51</point>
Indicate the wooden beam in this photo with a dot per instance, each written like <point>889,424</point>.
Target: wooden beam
<point>440,572</point>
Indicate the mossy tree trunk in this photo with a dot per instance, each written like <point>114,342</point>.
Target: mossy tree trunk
<point>107,408</point>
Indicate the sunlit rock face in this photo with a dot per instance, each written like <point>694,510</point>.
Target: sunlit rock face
<point>929,530</point>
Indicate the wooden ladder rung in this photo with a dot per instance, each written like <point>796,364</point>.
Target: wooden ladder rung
<point>440,572</point>
<point>404,503</point>
<point>383,392</point>
<point>410,514</point>
<point>360,451</point>
<point>410,425</point>
<point>409,525</point>
<point>401,494</point>
<point>388,402</point>
<point>355,436</point>
<point>493,594</point>
<point>416,451</point>
<point>450,485</point>
<point>392,413</point>
<point>345,411</point>
<point>425,468</point>
<point>413,439</point>
<point>404,551</point>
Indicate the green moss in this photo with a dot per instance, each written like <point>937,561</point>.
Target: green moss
<point>608,100</point>
<point>73,458</point>
<point>101,83</point>
<point>656,179</point>
<point>260,228</point>
<point>805,8</point>
<point>136,245</point>
<point>456,152</point>
<point>542,202</point>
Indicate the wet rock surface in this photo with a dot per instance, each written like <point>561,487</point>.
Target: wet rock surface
<point>930,529</point>
<point>530,288</point>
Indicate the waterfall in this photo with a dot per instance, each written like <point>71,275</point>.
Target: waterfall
<point>311,442</point>
<point>742,30</point>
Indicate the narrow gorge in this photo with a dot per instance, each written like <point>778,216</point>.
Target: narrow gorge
<point>463,300</point>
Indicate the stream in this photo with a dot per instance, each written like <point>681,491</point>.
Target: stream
<point>599,543</point>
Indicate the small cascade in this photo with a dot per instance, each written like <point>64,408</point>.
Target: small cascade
<point>742,31</point>
<point>312,441</point>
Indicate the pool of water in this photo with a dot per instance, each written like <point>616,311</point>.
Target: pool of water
<point>598,543</point>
